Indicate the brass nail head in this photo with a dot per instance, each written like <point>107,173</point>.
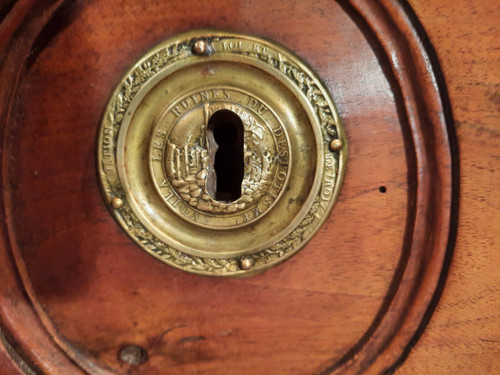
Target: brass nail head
<point>117,203</point>
<point>200,47</point>
<point>336,145</point>
<point>133,354</point>
<point>246,264</point>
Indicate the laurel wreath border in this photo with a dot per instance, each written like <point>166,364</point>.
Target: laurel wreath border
<point>150,66</point>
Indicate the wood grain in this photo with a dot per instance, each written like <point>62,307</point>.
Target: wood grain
<point>463,335</point>
<point>97,292</point>
<point>244,318</point>
<point>25,331</point>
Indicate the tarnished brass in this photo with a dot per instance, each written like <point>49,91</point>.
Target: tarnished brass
<point>157,153</point>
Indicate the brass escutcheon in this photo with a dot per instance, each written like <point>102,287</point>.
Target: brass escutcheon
<point>215,153</point>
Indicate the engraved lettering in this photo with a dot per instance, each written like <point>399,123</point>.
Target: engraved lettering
<point>185,104</point>
<point>248,216</point>
<point>169,195</point>
<point>281,175</point>
<point>107,151</point>
<point>232,45</point>
<point>176,111</point>
<point>260,49</point>
<point>161,133</point>
<point>283,154</point>
<point>278,132</point>
<point>266,163</point>
<point>257,106</point>
<point>252,103</point>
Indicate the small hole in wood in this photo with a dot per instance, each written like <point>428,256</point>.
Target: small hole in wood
<point>382,189</point>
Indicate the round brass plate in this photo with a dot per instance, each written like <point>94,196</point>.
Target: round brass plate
<point>156,153</point>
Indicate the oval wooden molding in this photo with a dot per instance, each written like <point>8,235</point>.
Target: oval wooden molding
<point>430,232</point>
<point>412,69</point>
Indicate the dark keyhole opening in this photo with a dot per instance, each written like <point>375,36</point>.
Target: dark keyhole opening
<point>227,131</point>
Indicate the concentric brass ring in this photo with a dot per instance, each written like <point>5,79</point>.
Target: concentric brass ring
<point>156,153</point>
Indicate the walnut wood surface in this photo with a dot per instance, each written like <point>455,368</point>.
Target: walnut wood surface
<point>95,291</point>
<point>463,335</point>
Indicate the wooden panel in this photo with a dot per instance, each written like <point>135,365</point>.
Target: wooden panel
<point>463,336</point>
<point>101,292</point>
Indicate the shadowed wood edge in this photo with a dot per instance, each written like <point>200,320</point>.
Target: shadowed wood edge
<point>10,360</point>
<point>27,335</point>
<point>423,267</point>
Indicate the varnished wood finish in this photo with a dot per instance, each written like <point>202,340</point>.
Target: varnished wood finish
<point>463,335</point>
<point>355,299</point>
<point>18,30</point>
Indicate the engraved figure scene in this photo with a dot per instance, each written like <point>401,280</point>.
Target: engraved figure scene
<point>220,158</point>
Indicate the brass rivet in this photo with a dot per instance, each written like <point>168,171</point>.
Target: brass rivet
<point>133,354</point>
<point>336,145</point>
<point>246,264</point>
<point>200,47</point>
<point>117,203</point>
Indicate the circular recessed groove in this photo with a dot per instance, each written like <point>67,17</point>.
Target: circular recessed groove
<point>225,152</point>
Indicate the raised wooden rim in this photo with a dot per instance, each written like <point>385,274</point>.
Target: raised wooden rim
<point>398,39</point>
<point>416,79</point>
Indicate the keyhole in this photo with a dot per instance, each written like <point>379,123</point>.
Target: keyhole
<point>226,168</point>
